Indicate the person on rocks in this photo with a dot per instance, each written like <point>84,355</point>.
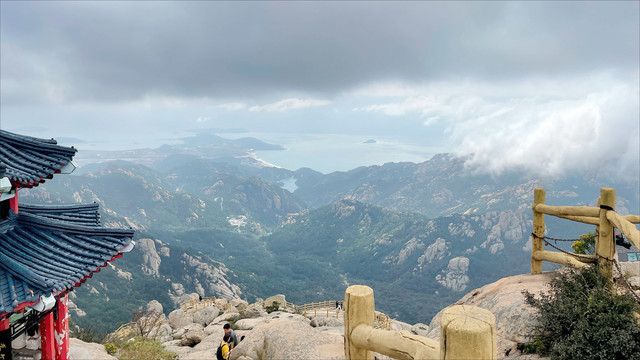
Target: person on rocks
<point>232,334</point>
<point>223,350</point>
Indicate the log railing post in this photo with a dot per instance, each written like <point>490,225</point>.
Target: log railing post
<point>605,247</point>
<point>467,332</point>
<point>359,309</point>
<point>539,197</point>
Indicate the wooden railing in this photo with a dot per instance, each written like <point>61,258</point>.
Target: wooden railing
<point>316,305</point>
<point>328,309</point>
<point>604,217</point>
<point>467,332</point>
<point>197,304</point>
<point>332,313</point>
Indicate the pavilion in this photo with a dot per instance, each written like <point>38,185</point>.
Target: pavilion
<point>45,250</point>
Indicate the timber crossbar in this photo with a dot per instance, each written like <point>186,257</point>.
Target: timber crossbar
<point>467,332</point>
<point>604,217</point>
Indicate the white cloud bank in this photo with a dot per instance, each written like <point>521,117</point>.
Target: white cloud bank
<point>550,128</point>
<point>232,106</point>
<point>290,104</point>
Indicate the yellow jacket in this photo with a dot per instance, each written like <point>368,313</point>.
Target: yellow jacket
<point>225,349</point>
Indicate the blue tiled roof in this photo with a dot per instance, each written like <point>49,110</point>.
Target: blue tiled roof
<point>30,160</point>
<point>46,249</point>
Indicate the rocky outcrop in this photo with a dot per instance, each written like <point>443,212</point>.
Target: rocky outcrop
<point>249,324</point>
<point>279,299</point>
<point>253,311</point>
<point>240,304</point>
<point>224,318</point>
<point>514,319</point>
<point>461,230</point>
<point>80,350</point>
<point>150,258</point>
<point>455,276</point>
<point>343,209</point>
<point>289,339</point>
<point>211,278</point>
<point>205,315</point>
<point>283,335</point>
<point>410,247</point>
<point>435,251</point>
<point>326,321</point>
<point>192,335</point>
<point>509,226</point>
<point>179,318</point>
<point>154,306</point>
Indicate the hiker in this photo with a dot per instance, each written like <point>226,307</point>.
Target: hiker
<point>232,334</point>
<point>223,350</point>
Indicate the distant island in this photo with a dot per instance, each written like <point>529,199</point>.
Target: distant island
<point>370,141</point>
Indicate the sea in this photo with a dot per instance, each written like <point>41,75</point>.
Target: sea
<point>327,153</point>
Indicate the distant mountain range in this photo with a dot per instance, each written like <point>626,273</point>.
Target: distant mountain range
<point>420,234</point>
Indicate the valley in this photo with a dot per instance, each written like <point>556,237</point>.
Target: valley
<point>419,234</point>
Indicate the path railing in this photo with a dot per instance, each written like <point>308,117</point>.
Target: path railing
<point>328,309</point>
<point>329,313</point>
<point>604,217</point>
<point>316,305</point>
<point>467,332</point>
<point>197,304</point>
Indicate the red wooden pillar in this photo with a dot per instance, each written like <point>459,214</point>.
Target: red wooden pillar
<point>47,341</point>
<point>13,202</point>
<point>62,328</point>
<point>4,324</point>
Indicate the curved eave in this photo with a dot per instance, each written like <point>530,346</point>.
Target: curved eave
<point>30,161</point>
<point>51,249</point>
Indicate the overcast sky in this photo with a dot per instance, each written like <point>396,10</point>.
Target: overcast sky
<point>517,84</point>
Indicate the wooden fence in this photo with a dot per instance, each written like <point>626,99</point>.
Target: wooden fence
<point>197,304</point>
<point>328,309</point>
<point>604,217</point>
<point>467,332</point>
<point>315,305</point>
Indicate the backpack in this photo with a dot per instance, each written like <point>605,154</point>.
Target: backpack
<point>219,351</point>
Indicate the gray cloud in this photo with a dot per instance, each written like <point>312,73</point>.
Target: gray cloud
<point>115,51</point>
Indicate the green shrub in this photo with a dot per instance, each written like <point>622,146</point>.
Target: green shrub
<point>111,348</point>
<point>534,347</point>
<point>145,349</point>
<point>273,307</point>
<point>586,244</point>
<point>581,318</point>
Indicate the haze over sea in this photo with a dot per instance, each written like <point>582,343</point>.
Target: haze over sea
<point>321,152</point>
<point>337,152</point>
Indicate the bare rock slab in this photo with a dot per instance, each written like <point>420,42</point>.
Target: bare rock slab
<point>80,350</point>
<point>514,319</point>
<point>287,339</point>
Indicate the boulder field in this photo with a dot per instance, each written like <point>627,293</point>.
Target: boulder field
<point>196,334</point>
